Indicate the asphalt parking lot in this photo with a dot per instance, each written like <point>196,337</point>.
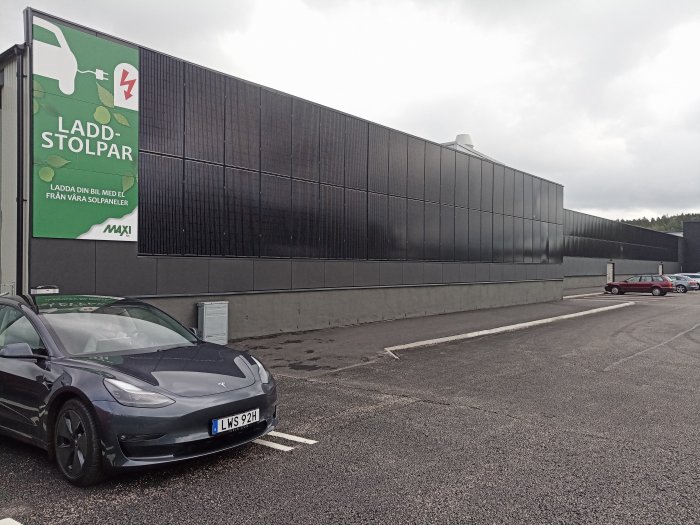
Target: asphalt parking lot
<point>586,420</point>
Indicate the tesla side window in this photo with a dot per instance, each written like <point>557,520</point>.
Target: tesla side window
<point>16,328</point>
<point>114,328</point>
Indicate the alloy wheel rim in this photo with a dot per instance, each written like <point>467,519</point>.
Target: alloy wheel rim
<point>71,443</point>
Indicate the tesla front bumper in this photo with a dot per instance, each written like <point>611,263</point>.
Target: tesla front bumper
<point>140,437</point>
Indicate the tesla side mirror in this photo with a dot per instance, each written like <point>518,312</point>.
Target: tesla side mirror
<point>17,351</point>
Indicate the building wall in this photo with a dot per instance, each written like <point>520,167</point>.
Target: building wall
<point>232,169</point>
<point>691,246</point>
<point>301,217</point>
<point>591,242</point>
<point>267,199</point>
<point>589,236</point>
<point>256,314</point>
<point>591,272</point>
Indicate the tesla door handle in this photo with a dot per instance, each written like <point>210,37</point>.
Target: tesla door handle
<point>47,383</point>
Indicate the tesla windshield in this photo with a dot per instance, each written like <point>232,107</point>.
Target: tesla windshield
<point>84,328</point>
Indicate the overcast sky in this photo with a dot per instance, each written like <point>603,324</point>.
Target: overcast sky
<point>601,96</point>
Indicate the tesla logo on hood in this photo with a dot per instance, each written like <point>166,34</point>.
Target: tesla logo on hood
<point>222,384</point>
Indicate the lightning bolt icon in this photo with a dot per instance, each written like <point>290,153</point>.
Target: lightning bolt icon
<point>128,83</point>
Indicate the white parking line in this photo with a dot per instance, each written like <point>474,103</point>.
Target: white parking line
<point>582,295</point>
<point>502,329</point>
<point>276,446</point>
<point>641,352</point>
<point>9,521</point>
<point>290,437</point>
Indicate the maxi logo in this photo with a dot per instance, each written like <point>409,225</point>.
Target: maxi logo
<point>117,230</point>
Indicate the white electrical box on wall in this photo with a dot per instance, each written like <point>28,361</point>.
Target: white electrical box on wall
<point>212,320</point>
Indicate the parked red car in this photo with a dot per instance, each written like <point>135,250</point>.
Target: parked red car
<point>654,284</point>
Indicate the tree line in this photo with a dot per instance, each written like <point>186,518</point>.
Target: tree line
<point>665,223</point>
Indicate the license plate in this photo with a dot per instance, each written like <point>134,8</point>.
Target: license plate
<point>226,424</point>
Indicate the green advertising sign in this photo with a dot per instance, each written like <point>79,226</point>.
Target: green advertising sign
<point>86,134</point>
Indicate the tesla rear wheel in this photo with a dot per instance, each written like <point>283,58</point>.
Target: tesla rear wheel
<point>656,291</point>
<point>681,289</point>
<point>615,290</point>
<point>77,445</point>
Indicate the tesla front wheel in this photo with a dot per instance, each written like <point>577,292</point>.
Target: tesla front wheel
<point>77,445</point>
<point>681,289</point>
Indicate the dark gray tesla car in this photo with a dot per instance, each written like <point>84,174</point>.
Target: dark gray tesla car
<point>105,383</point>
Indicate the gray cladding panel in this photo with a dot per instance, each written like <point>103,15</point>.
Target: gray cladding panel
<point>432,272</point>
<point>451,272</point>
<point>467,272</point>
<point>271,274</point>
<point>482,272</point>
<point>68,264</point>
<point>307,274</point>
<point>339,274</point>
<point>413,273</point>
<point>366,273</point>
<point>230,275</point>
<point>119,271</point>
<point>391,273</point>
<point>182,275</point>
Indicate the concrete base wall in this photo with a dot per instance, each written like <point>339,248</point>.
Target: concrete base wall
<point>255,314</point>
<point>575,283</point>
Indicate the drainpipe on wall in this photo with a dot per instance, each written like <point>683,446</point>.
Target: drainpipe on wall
<point>19,285</point>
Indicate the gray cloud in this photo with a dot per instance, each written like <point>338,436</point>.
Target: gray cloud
<point>600,96</point>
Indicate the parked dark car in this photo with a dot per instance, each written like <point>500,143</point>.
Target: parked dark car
<point>105,383</point>
<point>654,284</point>
<point>684,283</point>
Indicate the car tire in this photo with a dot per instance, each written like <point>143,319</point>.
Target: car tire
<point>656,291</point>
<point>615,290</point>
<point>77,444</point>
<point>681,289</point>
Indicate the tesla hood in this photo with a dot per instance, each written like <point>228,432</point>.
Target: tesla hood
<point>190,371</point>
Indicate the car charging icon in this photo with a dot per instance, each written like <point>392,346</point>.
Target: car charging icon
<point>59,62</point>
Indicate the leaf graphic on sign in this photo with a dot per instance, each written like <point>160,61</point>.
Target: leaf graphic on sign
<point>35,106</point>
<point>51,110</point>
<point>38,94</point>
<point>102,115</point>
<point>105,96</point>
<point>46,174</point>
<point>37,86</point>
<point>122,119</point>
<point>128,182</point>
<point>56,162</point>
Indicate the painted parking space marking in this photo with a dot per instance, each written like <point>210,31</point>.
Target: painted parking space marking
<point>9,521</point>
<point>290,437</point>
<point>282,435</point>
<point>271,444</point>
<point>504,329</point>
<point>659,345</point>
<point>582,295</point>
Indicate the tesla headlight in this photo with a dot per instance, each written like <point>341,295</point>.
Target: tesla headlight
<point>264,374</point>
<point>132,396</point>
